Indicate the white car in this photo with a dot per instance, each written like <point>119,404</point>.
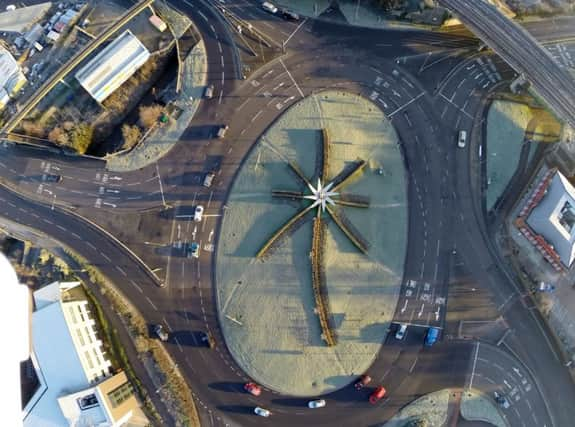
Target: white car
<point>401,332</point>
<point>269,7</point>
<point>198,213</point>
<point>11,7</point>
<point>313,404</point>
<point>262,412</point>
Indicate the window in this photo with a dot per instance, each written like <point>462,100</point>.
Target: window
<point>120,394</point>
<point>80,337</point>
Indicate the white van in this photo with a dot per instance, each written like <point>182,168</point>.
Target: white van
<point>269,7</point>
<point>462,139</point>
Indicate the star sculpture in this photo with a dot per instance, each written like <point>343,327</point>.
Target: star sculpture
<point>321,195</point>
<point>324,199</point>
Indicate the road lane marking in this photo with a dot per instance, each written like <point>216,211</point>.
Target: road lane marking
<point>292,79</point>
<point>294,31</point>
<point>121,270</point>
<point>256,116</point>
<point>106,257</point>
<point>151,303</point>
<point>405,105</point>
<point>474,365</point>
<point>136,286</point>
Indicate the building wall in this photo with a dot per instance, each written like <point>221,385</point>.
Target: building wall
<point>88,346</point>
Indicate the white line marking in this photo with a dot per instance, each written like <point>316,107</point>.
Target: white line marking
<point>292,79</point>
<point>151,303</point>
<point>406,104</point>
<point>474,364</point>
<point>294,31</point>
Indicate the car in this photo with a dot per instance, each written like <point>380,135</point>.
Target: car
<point>269,7</point>
<point>377,395</point>
<point>208,179</point>
<point>288,15</point>
<point>501,400</point>
<point>208,339</point>
<point>53,178</point>
<point>461,139</point>
<point>431,336</point>
<point>401,331</point>
<point>161,333</point>
<point>362,382</point>
<point>253,388</point>
<point>222,131</point>
<point>193,250</point>
<point>209,93</point>
<point>11,7</point>
<point>262,412</point>
<point>314,404</point>
<point>198,213</point>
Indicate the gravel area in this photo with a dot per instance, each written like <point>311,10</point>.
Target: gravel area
<point>161,140</point>
<point>506,124</point>
<point>277,341</point>
<point>431,407</point>
<point>476,406</point>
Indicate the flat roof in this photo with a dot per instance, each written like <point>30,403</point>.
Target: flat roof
<point>554,218</point>
<point>115,64</point>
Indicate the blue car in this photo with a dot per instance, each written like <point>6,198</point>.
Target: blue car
<point>431,337</point>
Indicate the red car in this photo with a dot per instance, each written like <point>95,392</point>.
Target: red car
<point>253,388</point>
<point>362,382</point>
<point>377,395</point>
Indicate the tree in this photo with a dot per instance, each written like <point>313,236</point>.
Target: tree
<point>131,135</point>
<point>33,128</point>
<point>59,136</point>
<point>82,137</point>
<point>149,115</point>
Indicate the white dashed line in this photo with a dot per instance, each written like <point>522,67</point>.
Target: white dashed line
<point>151,303</point>
<point>121,270</point>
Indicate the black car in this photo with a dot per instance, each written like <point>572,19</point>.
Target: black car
<point>288,15</point>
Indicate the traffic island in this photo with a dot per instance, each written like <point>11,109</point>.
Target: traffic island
<point>266,306</point>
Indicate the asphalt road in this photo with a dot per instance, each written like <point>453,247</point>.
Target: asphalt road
<point>429,85</point>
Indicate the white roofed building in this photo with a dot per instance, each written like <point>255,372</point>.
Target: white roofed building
<point>110,68</point>
<point>548,219</point>
<point>73,371</point>
<point>11,77</point>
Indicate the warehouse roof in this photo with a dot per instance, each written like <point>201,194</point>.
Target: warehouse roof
<point>110,68</point>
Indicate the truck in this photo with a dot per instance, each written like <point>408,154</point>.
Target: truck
<point>431,336</point>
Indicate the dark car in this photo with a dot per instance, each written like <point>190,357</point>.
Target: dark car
<point>53,178</point>
<point>362,382</point>
<point>288,15</point>
<point>208,339</point>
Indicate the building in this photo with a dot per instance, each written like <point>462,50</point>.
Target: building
<point>547,219</point>
<point>110,68</point>
<point>11,77</point>
<point>76,385</point>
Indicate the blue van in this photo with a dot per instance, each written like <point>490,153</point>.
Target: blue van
<point>431,336</point>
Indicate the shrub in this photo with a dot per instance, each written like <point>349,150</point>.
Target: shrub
<point>33,128</point>
<point>149,115</point>
<point>82,137</point>
<point>131,135</point>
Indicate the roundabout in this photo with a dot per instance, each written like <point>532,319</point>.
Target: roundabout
<point>265,274</point>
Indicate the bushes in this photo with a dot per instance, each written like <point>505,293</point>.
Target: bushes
<point>33,129</point>
<point>76,136</point>
<point>149,115</point>
<point>131,135</point>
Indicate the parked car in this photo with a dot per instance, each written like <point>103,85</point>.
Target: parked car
<point>11,7</point>
<point>400,334</point>
<point>262,412</point>
<point>209,93</point>
<point>377,395</point>
<point>362,382</point>
<point>314,404</point>
<point>208,179</point>
<point>288,15</point>
<point>253,388</point>
<point>161,332</point>
<point>198,213</point>
<point>222,131</point>
<point>501,400</point>
<point>193,250</point>
<point>269,7</point>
